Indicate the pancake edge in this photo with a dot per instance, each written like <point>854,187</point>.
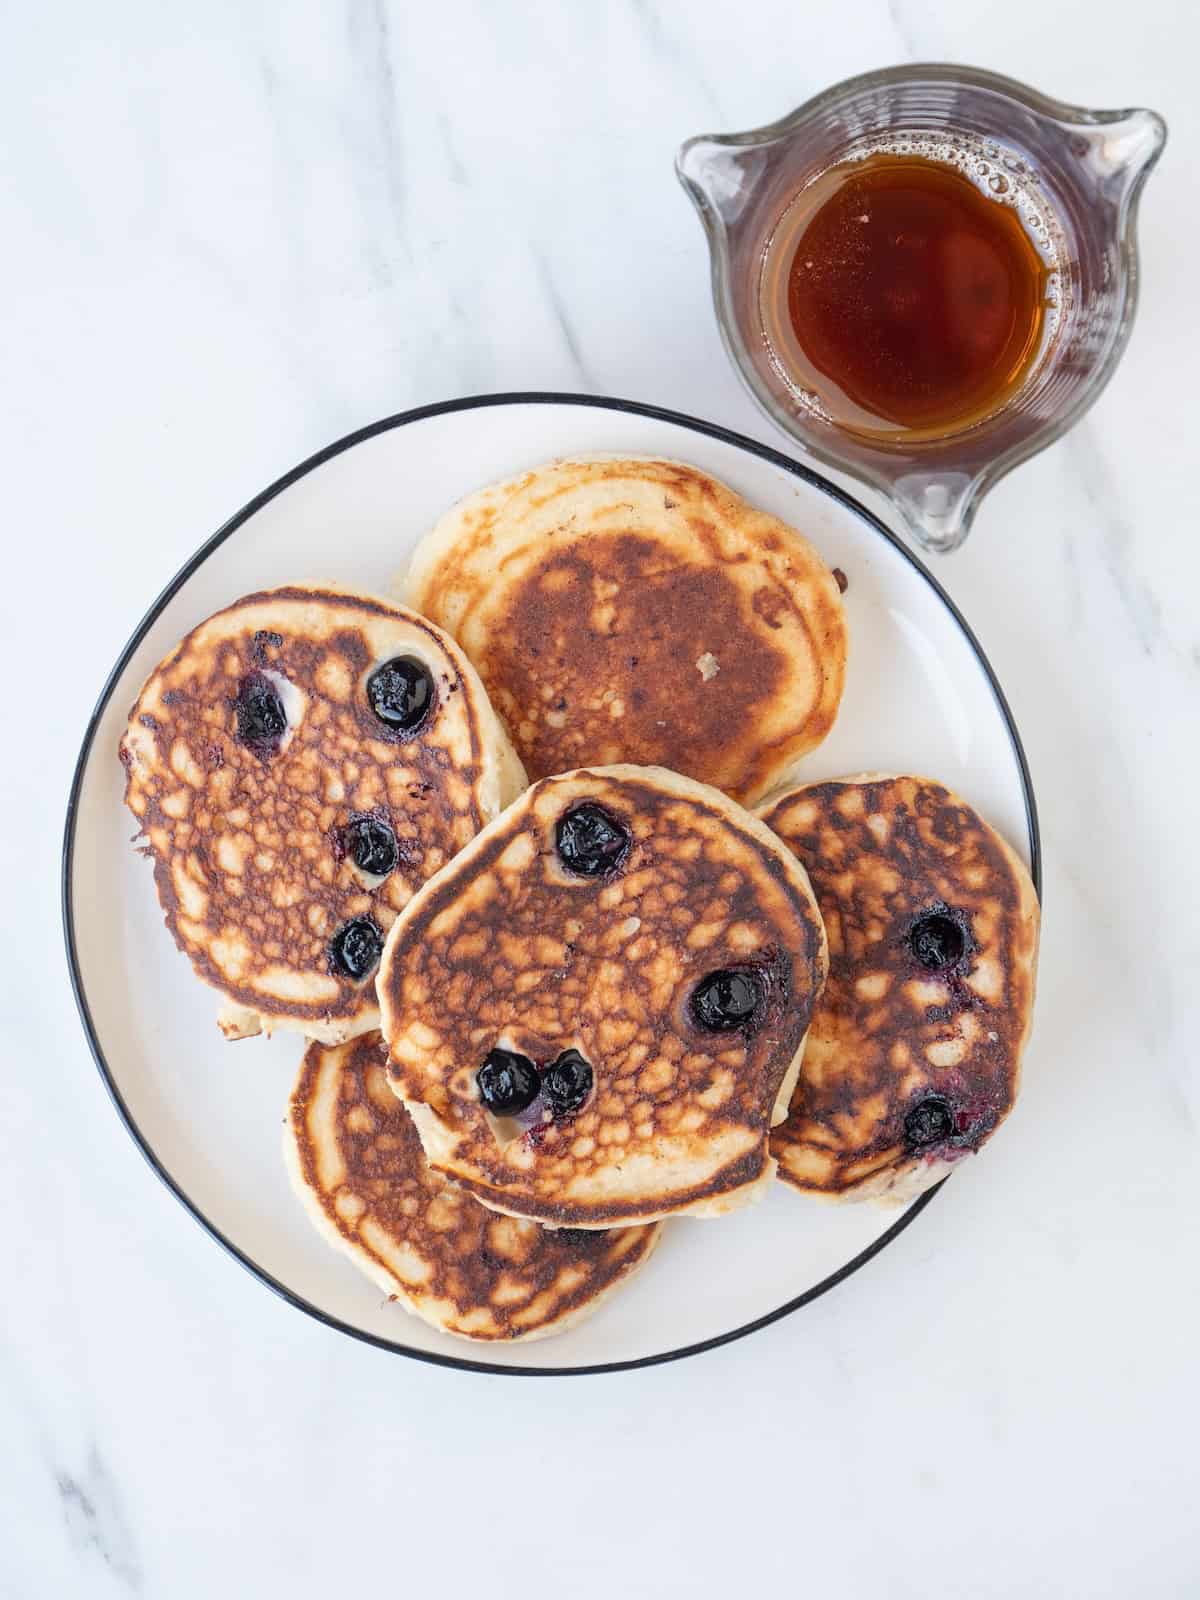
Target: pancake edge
<point>436,545</point>
<point>395,1291</point>
<point>895,1188</point>
<point>429,1126</point>
<point>502,781</point>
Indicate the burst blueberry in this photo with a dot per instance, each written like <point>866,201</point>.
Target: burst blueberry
<point>937,941</point>
<point>356,947</point>
<point>401,694</point>
<point>590,841</point>
<point>929,1122</point>
<point>727,999</point>
<point>508,1082</point>
<point>260,715</point>
<point>567,1082</point>
<point>370,842</point>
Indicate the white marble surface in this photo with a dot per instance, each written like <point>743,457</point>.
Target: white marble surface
<point>230,233</point>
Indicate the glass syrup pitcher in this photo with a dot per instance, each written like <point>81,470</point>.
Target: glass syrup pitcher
<point>1071,177</point>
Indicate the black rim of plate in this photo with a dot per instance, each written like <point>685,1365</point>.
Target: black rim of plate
<point>401,419</point>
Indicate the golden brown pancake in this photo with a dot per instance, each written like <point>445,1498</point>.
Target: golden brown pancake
<point>356,1161</point>
<point>914,1053</point>
<point>513,948</point>
<point>638,610</point>
<point>288,823</point>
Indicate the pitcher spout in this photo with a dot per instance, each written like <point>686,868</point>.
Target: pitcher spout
<point>1122,149</point>
<point>938,507</point>
<point>719,175</point>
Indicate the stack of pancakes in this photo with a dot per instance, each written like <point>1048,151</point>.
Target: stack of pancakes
<point>543,1018</point>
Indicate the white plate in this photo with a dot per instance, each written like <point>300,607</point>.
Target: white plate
<point>920,697</point>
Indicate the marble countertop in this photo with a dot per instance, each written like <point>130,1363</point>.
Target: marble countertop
<point>234,232</point>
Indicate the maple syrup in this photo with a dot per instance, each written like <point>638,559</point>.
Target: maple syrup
<point>902,299</point>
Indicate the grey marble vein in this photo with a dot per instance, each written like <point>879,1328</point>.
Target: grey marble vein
<point>671,50</point>
<point>455,168</point>
<point>1139,601</point>
<point>563,318</point>
<point>902,24</point>
<point>95,1520</point>
<point>373,45</point>
<point>1072,586</point>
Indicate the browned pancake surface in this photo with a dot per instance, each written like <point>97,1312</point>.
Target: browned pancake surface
<point>505,948</point>
<point>888,1034</point>
<point>246,846</point>
<point>467,1269</point>
<point>639,611</point>
<point>546,660</point>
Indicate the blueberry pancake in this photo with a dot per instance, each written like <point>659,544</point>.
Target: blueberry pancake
<point>356,1162</point>
<point>596,1011</point>
<point>914,1053</point>
<point>637,610</point>
<point>298,766</point>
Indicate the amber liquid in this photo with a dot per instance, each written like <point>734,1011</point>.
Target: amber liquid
<point>915,303</point>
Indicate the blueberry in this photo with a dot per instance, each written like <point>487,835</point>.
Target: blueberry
<point>370,842</point>
<point>260,717</point>
<point>590,840</point>
<point>567,1082</point>
<point>727,1000</point>
<point>401,693</point>
<point>937,941</point>
<point>508,1083</point>
<point>929,1122</point>
<point>265,639</point>
<point>577,1235</point>
<point>356,947</point>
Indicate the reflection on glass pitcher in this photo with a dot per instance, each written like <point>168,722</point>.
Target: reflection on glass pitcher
<point>926,274</point>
